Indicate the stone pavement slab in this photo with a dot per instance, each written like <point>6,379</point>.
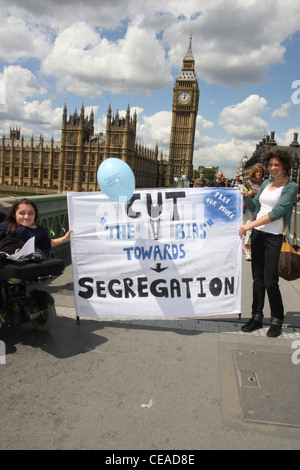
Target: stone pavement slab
<point>149,385</point>
<point>110,385</point>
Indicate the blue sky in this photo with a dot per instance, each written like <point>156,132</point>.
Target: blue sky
<point>129,53</point>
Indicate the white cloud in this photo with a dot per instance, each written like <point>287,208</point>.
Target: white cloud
<point>23,108</point>
<point>282,112</point>
<point>234,43</point>
<point>242,120</point>
<point>20,84</point>
<point>136,48</point>
<point>287,137</point>
<point>60,13</point>
<point>225,155</point>
<point>155,129</point>
<point>201,140</point>
<point>19,39</point>
<point>86,64</point>
<point>202,123</point>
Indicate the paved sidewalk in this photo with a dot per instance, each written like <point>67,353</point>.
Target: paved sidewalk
<point>152,385</point>
<point>218,364</point>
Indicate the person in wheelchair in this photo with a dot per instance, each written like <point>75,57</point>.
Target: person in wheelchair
<point>21,223</point>
<point>17,303</point>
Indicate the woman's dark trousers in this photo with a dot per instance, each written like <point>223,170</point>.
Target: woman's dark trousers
<point>265,251</point>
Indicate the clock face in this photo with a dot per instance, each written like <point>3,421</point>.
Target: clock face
<point>184,97</point>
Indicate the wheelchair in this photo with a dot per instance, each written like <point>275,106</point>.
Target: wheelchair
<point>18,303</point>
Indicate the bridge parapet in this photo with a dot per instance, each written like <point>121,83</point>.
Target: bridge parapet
<point>53,213</point>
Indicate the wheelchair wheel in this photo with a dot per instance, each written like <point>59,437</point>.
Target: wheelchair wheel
<point>46,319</point>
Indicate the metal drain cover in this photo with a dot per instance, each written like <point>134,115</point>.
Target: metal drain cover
<point>269,385</point>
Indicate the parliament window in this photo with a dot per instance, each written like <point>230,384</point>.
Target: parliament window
<point>70,158</point>
<point>69,175</point>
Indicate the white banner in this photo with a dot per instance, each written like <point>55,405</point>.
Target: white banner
<point>168,253</point>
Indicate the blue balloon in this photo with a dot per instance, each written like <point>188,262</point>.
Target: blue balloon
<point>176,179</point>
<point>116,179</point>
<point>183,177</point>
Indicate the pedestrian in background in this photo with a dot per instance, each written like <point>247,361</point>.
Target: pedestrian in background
<point>253,185</point>
<point>200,182</point>
<point>218,182</point>
<point>237,182</point>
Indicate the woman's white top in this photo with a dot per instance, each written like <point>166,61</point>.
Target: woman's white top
<point>268,200</point>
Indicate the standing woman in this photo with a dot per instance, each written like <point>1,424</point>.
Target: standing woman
<point>272,205</point>
<point>254,182</point>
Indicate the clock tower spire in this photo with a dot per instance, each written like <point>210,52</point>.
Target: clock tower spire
<point>184,114</point>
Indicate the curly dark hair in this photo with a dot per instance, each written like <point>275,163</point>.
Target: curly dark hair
<point>283,156</point>
<point>11,215</point>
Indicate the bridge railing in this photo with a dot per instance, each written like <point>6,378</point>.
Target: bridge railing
<point>53,216</point>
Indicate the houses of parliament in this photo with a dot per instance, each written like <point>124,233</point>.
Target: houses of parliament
<point>71,164</point>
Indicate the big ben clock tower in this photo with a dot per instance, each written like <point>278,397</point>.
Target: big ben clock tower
<point>184,113</point>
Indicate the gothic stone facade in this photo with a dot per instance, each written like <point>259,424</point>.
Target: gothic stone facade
<point>71,164</point>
